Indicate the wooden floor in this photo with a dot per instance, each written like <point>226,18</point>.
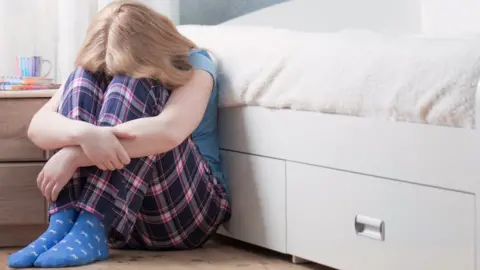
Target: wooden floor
<point>221,254</point>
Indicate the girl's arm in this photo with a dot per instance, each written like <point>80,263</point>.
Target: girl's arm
<point>181,115</point>
<point>50,130</point>
<point>154,135</point>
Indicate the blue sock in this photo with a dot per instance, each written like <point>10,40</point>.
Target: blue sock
<point>60,224</point>
<point>84,244</point>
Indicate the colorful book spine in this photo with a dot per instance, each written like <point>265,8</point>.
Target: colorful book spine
<point>19,83</point>
<point>34,87</point>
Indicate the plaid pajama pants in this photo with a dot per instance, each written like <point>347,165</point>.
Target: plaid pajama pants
<point>170,201</point>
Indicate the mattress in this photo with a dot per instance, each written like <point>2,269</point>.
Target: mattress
<point>421,79</point>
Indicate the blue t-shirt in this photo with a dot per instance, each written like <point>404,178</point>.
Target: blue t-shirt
<point>205,135</point>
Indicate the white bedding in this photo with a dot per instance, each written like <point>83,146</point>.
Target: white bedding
<point>416,79</point>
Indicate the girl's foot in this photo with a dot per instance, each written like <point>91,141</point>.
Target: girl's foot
<point>84,244</point>
<point>60,224</point>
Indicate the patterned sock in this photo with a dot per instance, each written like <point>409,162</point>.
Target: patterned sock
<point>60,224</point>
<point>84,244</point>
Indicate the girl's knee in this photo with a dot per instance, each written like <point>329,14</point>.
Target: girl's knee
<point>82,81</point>
<point>82,95</point>
<point>149,91</point>
<point>130,83</point>
<point>82,75</point>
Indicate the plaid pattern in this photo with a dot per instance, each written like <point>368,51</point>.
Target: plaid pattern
<point>164,202</point>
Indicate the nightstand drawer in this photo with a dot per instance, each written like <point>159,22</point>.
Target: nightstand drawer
<point>20,200</point>
<point>15,116</point>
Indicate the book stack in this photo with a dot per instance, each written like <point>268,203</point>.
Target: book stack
<point>27,83</point>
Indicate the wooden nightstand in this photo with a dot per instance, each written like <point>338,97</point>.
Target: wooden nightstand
<point>23,209</point>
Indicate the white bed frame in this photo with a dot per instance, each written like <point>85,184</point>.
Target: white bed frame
<point>349,192</point>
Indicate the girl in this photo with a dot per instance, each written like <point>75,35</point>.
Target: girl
<point>138,164</point>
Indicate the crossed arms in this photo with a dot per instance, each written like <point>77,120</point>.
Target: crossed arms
<point>83,144</point>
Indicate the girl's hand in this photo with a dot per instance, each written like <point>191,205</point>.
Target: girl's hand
<point>103,147</point>
<point>56,173</point>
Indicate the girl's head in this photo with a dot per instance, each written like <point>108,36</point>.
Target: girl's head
<point>130,38</point>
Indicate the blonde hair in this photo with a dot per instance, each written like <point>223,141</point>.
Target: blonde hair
<point>130,38</point>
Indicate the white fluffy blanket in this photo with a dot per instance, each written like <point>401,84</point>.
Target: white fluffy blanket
<point>417,79</point>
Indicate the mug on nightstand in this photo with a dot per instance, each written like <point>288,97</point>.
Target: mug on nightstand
<point>32,66</point>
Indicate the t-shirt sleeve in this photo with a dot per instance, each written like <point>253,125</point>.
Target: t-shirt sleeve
<point>201,59</point>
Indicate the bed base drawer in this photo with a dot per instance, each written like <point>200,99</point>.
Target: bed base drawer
<point>257,187</point>
<point>354,222</point>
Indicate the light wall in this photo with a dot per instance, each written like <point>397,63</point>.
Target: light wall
<point>451,16</point>
<point>217,11</point>
<point>26,28</point>
<point>392,17</point>
<point>55,28</point>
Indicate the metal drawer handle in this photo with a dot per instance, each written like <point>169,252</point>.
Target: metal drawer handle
<point>370,227</point>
